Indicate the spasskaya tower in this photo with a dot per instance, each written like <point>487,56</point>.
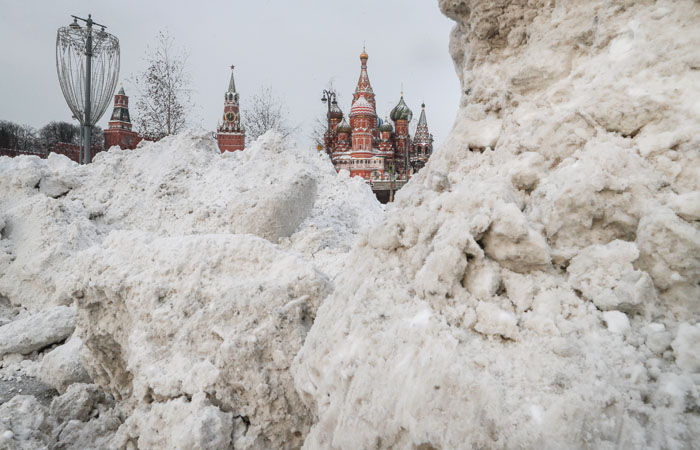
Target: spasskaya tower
<point>230,134</point>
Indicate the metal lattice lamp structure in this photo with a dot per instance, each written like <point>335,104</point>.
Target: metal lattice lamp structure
<point>87,62</point>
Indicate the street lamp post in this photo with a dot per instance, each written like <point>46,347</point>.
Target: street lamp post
<point>87,62</point>
<point>329,99</point>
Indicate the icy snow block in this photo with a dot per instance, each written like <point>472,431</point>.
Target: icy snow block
<point>62,367</point>
<point>77,402</point>
<point>53,187</point>
<point>605,275</point>
<point>512,243</point>
<point>278,212</point>
<point>37,331</point>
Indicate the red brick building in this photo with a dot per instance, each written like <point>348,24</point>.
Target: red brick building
<point>62,148</point>
<point>119,132</point>
<point>371,148</point>
<point>230,134</point>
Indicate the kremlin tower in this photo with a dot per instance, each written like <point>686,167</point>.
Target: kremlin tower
<point>371,148</point>
<point>230,134</point>
<point>119,132</point>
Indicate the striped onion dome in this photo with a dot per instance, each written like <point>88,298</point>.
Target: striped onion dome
<point>361,107</point>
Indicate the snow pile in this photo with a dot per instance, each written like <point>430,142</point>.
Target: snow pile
<point>196,277</point>
<point>215,317</point>
<point>538,284</point>
<point>178,186</point>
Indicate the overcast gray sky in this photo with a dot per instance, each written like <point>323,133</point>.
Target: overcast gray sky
<point>293,46</point>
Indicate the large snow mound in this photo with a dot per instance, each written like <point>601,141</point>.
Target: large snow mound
<point>196,276</point>
<point>182,185</point>
<point>537,285</point>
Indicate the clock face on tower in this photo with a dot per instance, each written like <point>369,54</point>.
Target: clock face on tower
<point>231,116</point>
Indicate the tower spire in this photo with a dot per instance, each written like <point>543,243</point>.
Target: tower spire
<point>422,121</point>
<point>231,83</point>
<point>364,88</point>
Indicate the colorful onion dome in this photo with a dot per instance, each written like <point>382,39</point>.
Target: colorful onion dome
<point>401,112</point>
<point>335,112</point>
<point>343,127</point>
<point>386,126</point>
<point>361,107</point>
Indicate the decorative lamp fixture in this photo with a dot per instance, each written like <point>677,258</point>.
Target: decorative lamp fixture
<point>87,63</point>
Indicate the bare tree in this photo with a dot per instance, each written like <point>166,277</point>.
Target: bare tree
<point>318,130</point>
<point>55,132</point>
<point>164,95</point>
<point>266,112</point>
<point>64,132</point>
<point>17,137</point>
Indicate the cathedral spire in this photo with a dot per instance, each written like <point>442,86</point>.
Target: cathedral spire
<point>422,121</point>
<point>364,88</point>
<point>423,140</point>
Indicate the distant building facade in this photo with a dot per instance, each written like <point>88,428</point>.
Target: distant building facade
<point>119,132</point>
<point>72,151</point>
<point>230,133</point>
<point>374,149</point>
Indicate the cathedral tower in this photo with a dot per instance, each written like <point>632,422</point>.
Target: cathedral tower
<point>230,134</point>
<point>422,142</point>
<point>402,115</point>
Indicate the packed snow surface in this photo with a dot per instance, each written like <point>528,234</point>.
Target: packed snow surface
<point>536,285</point>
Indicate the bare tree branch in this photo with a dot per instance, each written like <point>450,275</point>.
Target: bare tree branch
<point>164,95</point>
<point>266,112</point>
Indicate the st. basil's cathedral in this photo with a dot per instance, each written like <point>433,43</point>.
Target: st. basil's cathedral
<point>374,149</point>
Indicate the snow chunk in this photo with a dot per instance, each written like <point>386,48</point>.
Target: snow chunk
<point>617,322</point>
<point>511,241</point>
<point>180,425</point>
<point>686,347</point>
<point>687,205</point>
<point>605,275</point>
<point>62,367</point>
<point>37,331</point>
